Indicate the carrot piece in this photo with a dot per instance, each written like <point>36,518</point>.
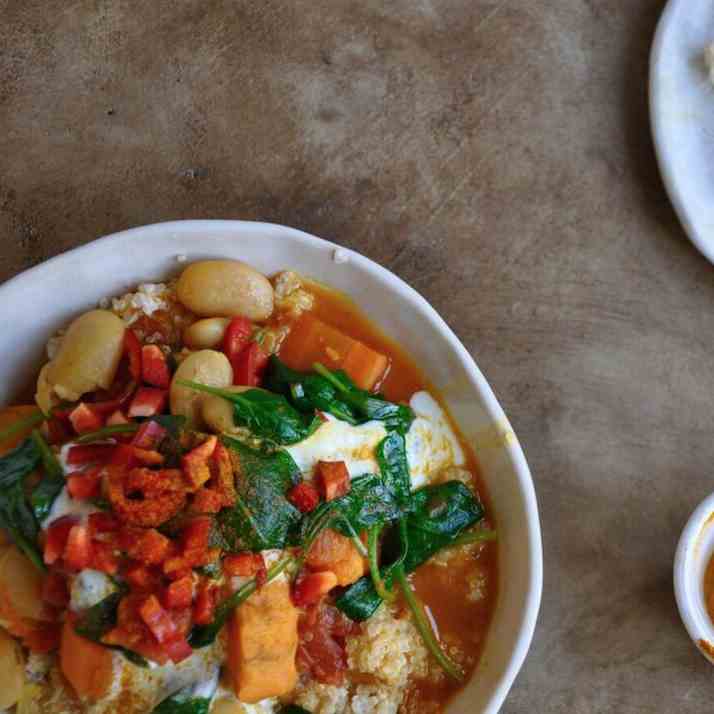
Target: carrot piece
<point>311,340</point>
<point>333,479</point>
<point>334,552</point>
<point>87,666</point>
<point>262,642</point>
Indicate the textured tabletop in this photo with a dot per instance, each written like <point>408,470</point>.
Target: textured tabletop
<point>493,153</point>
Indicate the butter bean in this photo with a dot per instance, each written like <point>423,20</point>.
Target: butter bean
<point>206,334</point>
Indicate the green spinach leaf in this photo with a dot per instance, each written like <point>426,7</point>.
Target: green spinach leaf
<point>293,709</point>
<point>269,416</point>
<point>262,517</point>
<point>439,515</point>
<point>52,482</point>
<point>180,704</point>
<point>391,454</point>
<point>97,620</point>
<point>16,516</point>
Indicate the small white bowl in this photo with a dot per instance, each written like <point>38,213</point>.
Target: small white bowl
<point>695,549</point>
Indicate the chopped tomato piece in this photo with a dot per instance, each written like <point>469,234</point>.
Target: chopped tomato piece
<point>54,589</point>
<point>178,649</point>
<point>149,457</point>
<point>85,484</point>
<point>158,620</point>
<point>148,402</point>
<point>149,436</point>
<point>179,594</point>
<point>236,337</point>
<point>78,551</point>
<point>249,366</point>
<point>84,419</point>
<point>89,453</point>
<point>196,465</point>
<point>333,479</point>
<point>146,545</point>
<point>132,348</point>
<point>56,539</point>
<point>102,523</point>
<point>304,497</point>
<point>117,418</point>
<point>205,604</point>
<point>104,558</point>
<point>244,564</point>
<point>312,587</point>
<point>154,368</point>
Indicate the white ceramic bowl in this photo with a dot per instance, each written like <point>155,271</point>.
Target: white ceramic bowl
<point>682,115</point>
<point>695,549</point>
<point>36,302</point>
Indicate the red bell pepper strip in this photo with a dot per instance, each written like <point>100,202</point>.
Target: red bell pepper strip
<point>56,538</point>
<point>89,454</point>
<point>78,551</point>
<point>236,337</point>
<point>85,484</point>
<point>148,402</point>
<point>249,366</point>
<point>84,419</point>
<point>205,604</point>
<point>154,367</point>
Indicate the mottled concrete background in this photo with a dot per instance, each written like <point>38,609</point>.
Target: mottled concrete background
<point>496,155</point>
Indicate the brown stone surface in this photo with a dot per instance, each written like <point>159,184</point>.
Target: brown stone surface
<point>496,155</point>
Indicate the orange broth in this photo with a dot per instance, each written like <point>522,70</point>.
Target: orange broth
<point>462,622</point>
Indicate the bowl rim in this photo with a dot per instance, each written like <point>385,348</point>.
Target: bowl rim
<point>393,283</point>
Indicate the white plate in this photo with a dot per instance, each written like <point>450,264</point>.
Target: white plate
<point>40,300</point>
<point>682,115</point>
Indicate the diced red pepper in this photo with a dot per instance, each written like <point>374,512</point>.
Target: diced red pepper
<point>141,577</point>
<point>333,479</point>
<point>207,500</point>
<point>84,419</point>
<point>56,538</point>
<point>132,348</point>
<point>196,464</point>
<point>194,541</point>
<point>78,551</point>
<point>54,589</point>
<point>158,620</point>
<point>148,457</point>
<point>117,418</point>
<point>304,497</point>
<point>146,545</point>
<point>149,435</point>
<point>104,558</point>
<point>85,484</point>
<point>89,454</point>
<point>178,594</point>
<point>243,564</point>
<point>205,604</point>
<point>249,366</point>
<point>178,650</point>
<point>102,522</point>
<point>117,402</point>
<point>236,337</point>
<point>154,368</point>
<point>312,587</point>
<point>148,402</point>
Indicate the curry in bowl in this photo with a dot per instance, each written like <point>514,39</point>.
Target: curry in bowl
<point>234,495</point>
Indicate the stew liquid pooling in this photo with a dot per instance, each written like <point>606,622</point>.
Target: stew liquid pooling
<point>235,495</point>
